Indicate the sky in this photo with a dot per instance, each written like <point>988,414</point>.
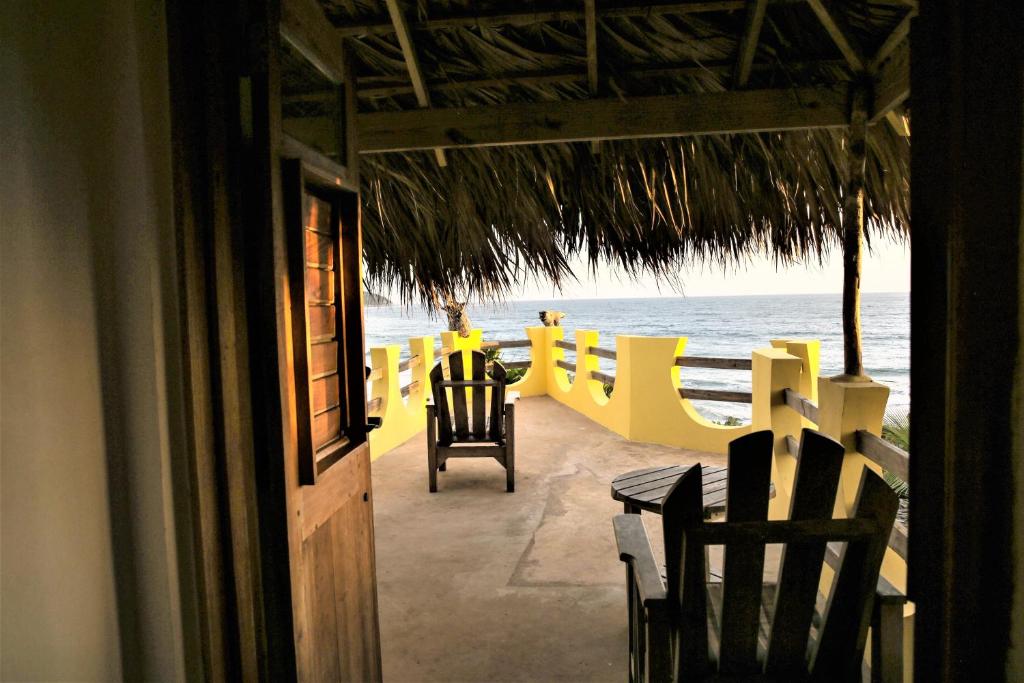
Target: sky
<point>886,268</point>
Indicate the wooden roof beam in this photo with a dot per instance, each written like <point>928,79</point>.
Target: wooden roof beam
<point>891,84</point>
<point>412,63</point>
<point>305,27</point>
<point>603,119</point>
<point>492,19</point>
<point>898,35</point>
<point>840,35</point>
<point>748,42</point>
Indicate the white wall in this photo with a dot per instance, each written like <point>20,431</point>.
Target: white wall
<point>89,578</point>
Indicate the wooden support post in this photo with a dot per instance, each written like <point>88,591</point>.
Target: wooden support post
<point>853,231</point>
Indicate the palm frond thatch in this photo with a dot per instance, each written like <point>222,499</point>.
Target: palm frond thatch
<point>496,216</point>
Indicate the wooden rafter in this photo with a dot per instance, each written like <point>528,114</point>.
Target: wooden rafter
<point>840,35</point>
<point>412,63</point>
<point>748,43</point>
<point>891,83</point>
<point>492,19</point>
<point>371,87</point>
<point>590,12</point>
<point>603,119</point>
<point>893,41</point>
<point>304,27</point>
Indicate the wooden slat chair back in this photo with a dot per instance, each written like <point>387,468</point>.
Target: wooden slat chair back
<point>740,626</point>
<point>462,422</point>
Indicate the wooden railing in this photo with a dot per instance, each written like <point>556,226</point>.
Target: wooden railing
<point>681,361</point>
<point>716,395</point>
<point>888,456</point>
<point>410,363</point>
<point>801,404</point>
<point>506,344</point>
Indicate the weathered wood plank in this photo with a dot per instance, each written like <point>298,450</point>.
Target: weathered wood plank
<point>715,363</point>
<point>748,42</point>
<point>599,119</point>
<point>603,377</point>
<point>568,346</point>
<point>749,481</point>
<point>892,83</point>
<point>325,393</point>
<point>716,395</point>
<point>326,427</point>
<point>840,34</point>
<point>571,367</point>
<point>881,452</point>
<point>610,354</point>
<point>801,404</point>
<point>412,63</point>
<point>305,27</point>
<point>517,364</point>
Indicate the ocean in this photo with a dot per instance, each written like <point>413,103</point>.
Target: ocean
<point>726,326</point>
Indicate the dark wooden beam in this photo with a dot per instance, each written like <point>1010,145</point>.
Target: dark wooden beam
<point>667,116</point>
<point>840,35</point>
<point>893,41</point>
<point>748,43</point>
<point>412,63</point>
<point>891,84</point>
<point>383,27</point>
<point>590,12</point>
<point>304,26</point>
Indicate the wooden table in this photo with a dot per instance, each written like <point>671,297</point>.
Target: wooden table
<point>644,489</point>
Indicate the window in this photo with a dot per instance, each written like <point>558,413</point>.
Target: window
<point>324,270</point>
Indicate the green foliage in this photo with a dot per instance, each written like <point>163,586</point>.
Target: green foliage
<point>608,389</point>
<point>493,354</point>
<point>730,421</point>
<point>896,430</point>
<point>514,375</point>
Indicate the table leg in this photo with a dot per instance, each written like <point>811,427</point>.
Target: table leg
<point>630,509</point>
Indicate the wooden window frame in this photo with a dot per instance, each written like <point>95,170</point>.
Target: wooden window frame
<point>300,178</point>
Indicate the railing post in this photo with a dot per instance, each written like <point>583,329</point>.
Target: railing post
<point>774,370</point>
<point>454,341</point>
<point>385,386</point>
<point>648,377</point>
<point>550,355</point>
<point>843,408</point>
<point>535,381</point>
<point>809,353</point>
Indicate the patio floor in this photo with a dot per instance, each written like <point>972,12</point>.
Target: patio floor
<point>476,584</point>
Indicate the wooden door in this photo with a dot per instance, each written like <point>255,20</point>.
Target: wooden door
<point>330,501</point>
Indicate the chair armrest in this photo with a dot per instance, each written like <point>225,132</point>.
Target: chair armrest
<point>511,397</point>
<point>635,550</point>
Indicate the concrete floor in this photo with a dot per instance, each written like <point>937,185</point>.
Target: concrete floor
<point>476,584</point>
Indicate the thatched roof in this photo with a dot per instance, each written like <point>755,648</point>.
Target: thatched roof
<point>494,214</point>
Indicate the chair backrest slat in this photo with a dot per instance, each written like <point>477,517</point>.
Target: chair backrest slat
<point>747,491</point>
<point>498,374</point>
<point>444,419</point>
<point>762,630</point>
<point>684,565</point>
<point>479,395</point>
<point>846,617</point>
<point>457,371</point>
<point>814,494</point>
<point>453,413</point>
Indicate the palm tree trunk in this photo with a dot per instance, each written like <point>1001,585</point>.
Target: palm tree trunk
<point>853,233</point>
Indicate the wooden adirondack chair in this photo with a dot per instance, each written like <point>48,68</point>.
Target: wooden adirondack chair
<point>450,434</point>
<point>738,626</point>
